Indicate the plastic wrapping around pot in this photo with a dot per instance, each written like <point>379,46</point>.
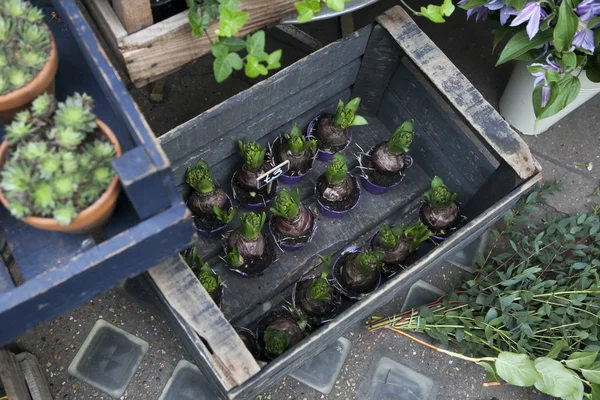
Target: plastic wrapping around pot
<point>257,267</point>
<point>212,232</point>
<point>92,217</point>
<point>316,320</point>
<point>438,236</point>
<point>346,292</point>
<point>376,189</point>
<point>321,154</point>
<point>267,320</point>
<point>333,213</point>
<point>249,340</point>
<point>290,179</point>
<point>296,246</point>
<point>251,207</point>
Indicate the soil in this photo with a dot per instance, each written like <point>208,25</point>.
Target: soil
<point>377,178</point>
<point>351,280</point>
<point>386,163</point>
<point>439,219</point>
<point>281,321</point>
<point>249,341</point>
<point>244,196</point>
<point>287,238</point>
<point>343,205</point>
<point>259,265</point>
<point>324,128</point>
<point>299,163</point>
<point>394,256</point>
<point>317,311</point>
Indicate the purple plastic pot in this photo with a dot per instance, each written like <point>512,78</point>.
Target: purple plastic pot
<point>376,189</point>
<point>251,207</point>
<point>213,232</point>
<point>337,214</point>
<point>324,155</point>
<point>438,237</point>
<point>348,293</point>
<point>292,246</point>
<point>315,321</point>
<point>270,242</point>
<point>265,321</point>
<point>288,179</point>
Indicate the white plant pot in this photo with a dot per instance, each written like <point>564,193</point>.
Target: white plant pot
<point>516,102</point>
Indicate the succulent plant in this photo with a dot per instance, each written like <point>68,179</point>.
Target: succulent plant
<point>253,154</point>
<point>439,196</point>
<point>276,342</point>
<point>370,261</point>
<point>402,138</point>
<point>345,116</point>
<point>287,204</point>
<point>56,167</point>
<point>337,169</point>
<point>297,143</point>
<point>24,44</point>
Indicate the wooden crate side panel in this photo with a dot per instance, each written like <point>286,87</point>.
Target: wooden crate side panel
<point>331,331</point>
<point>178,284</point>
<point>6,282</point>
<point>459,91</point>
<point>235,112</point>
<point>34,376</point>
<point>134,14</point>
<point>58,290</point>
<point>12,377</point>
<point>381,59</point>
<point>225,144</point>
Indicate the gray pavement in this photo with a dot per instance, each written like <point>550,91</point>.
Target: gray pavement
<point>192,90</point>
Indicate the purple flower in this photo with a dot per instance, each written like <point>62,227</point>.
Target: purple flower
<point>545,95</point>
<point>506,12</point>
<point>584,38</point>
<point>540,75</point>
<point>480,12</point>
<point>533,13</point>
<point>588,9</point>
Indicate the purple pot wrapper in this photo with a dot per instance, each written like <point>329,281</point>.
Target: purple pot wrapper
<point>313,319</point>
<point>263,323</point>
<point>288,179</point>
<point>211,233</point>
<point>376,189</point>
<point>292,246</point>
<point>337,214</point>
<point>346,293</point>
<point>250,207</point>
<point>321,154</point>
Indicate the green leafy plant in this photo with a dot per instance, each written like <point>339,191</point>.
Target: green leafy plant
<point>345,116</point>
<point>24,44</point>
<point>225,216</point>
<point>252,224</point>
<point>439,196</point>
<point>370,261</point>
<point>287,204</point>
<point>254,155</point>
<point>234,258</point>
<point>389,237</point>
<point>320,290</point>
<point>276,343</point>
<point>402,138</point>
<point>199,177</point>
<point>418,233</point>
<point>207,277</point>
<point>531,307</point>
<point>298,143</point>
<point>337,170</point>
<point>58,165</point>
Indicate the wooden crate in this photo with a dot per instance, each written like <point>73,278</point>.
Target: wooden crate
<point>44,274</point>
<point>150,51</point>
<point>399,73</point>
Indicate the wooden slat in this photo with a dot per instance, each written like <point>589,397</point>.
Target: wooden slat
<point>379,63</point>
<point>109,25</point>
<point>12,377</point>
<point>295,37</point>
<point>6,281</point>
<point>34,376</point>
<point>459,91</point>
<point>178,284</point>
<point>134,14</point>
<point>262,97</point>
<point>219,144</point>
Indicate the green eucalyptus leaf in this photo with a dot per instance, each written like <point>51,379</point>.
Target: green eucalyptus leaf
<point>595,395</point>
<point>557,348</point>
<point>490,372</point>
<point>556,380</point>
<point>516,369</point>
<point>592,372</point>
<point>581,359</point>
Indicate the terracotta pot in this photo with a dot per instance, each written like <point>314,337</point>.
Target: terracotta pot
<point>19,99</point>
<point>92,217</point>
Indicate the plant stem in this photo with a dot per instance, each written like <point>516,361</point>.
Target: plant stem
<point>409,8</point>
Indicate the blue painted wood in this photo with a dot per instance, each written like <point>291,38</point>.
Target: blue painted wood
<point>92,272</point>
<point>6,281</point>
<point>138,178</point>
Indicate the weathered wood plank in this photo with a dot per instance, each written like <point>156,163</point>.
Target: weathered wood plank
<point>59,289</point>
<point>178,284</point>
<point>295,37</point>
<point>459,91</point>
<point>12,377</point>
<point>379,63</point>
<point>134,14</point>
<point>34,376</point>
<point>138,176</point>
<point>331,331</point>
<point>262,97</point>
<point>6,281</point>
<point>218,144</point>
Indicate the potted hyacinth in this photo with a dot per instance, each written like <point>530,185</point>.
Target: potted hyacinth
<point>211,282</point>
<point>332,132</point>
<point>292,224</point>
<point>440,212</point>
<point>383,166</point>
<point>248,251</point>
<point>244,180</point>
<point>316,297</point>
<point>358,273</point>
<point>398,243</point>
<point>337,190</point>
<point>210,205</point>
<point>56,172</point>
<point>279,330</point>
<point>28,57</point>
<point>298,150</point>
